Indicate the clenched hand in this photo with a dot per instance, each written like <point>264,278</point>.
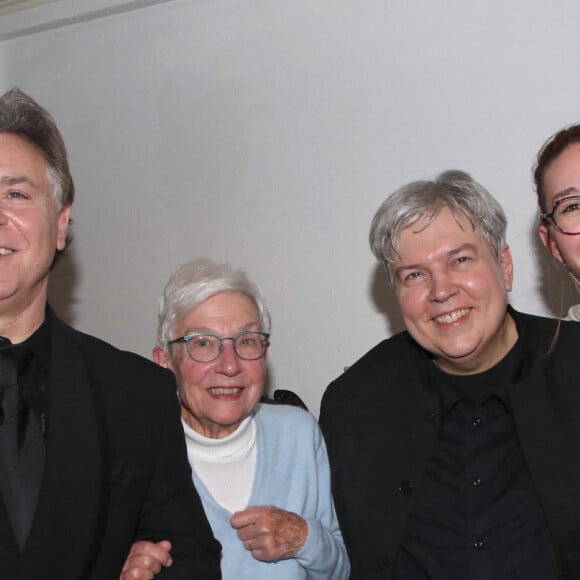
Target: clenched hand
<point>270,533</point>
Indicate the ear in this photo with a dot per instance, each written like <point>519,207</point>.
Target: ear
<point>550,242</point>
<point>507,265</point>
<point>161,357</point>
<point>63,220</point>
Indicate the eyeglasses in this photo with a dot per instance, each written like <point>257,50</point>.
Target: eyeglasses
<point>566,215</point>
<point>205,347</point>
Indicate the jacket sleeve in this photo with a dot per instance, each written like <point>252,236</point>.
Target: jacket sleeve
<point>172,509</point>
<point>324,554</point>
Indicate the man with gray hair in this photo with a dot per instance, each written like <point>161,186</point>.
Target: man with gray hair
<point>91,450</point>
<point>452,445</point>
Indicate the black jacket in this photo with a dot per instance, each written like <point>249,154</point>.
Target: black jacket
<point>380,420</point>
<point>116,470</point>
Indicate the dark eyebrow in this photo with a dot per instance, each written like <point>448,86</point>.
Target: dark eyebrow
<point>565,193</point>
<point>16,179</point>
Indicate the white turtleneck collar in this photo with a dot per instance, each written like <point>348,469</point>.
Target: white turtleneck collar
<point>225,466</point>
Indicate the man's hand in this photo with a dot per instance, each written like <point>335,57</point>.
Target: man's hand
<point>270,533</point>
<point>145,560</point>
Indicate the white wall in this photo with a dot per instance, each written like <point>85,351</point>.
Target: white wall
<point>267,132</point>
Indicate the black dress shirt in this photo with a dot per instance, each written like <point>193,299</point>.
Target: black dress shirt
<point>476,514</point>
<point>34,380</point>
<point>23,439</point>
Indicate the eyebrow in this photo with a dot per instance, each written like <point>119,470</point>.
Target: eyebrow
<point>449,254</point>
<point>206,330</point>
<point>565,193</point>
<point>16,179</point>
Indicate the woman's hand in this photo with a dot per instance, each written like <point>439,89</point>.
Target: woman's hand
<point>270,533</point>
<point>145,560</point>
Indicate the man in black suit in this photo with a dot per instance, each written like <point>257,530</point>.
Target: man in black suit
<point>453,445</point>
<point>92,454</point>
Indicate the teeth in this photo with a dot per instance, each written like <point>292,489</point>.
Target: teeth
<point>225,390</point>
<point>4,251</point>
<point>453,317</point>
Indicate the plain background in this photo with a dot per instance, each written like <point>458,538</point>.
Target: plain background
<point>267,132</point>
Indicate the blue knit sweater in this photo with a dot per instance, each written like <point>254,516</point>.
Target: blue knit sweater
<point>292,473</point>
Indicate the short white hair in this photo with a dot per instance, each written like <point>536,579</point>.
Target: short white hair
<point>195,282</point>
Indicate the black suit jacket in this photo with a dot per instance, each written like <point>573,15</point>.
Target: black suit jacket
<point>380,420</point>
<point>116,470</point>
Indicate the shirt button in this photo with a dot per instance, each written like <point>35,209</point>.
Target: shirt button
<point>478,544</point>
<point>476,422</point>
<point>476,482</point>
<point>430,415</point>
<point>382,563</point>
<point>405,487</point>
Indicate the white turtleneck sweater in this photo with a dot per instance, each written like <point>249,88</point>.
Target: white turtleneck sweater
<point>225,466</point>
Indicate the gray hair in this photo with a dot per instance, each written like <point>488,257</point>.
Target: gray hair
<point>22,116</point>
<point>195,282</point>
<point>453,189</point>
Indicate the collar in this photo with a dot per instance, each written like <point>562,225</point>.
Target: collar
<point>478,387</point>
<point>226,449</point>
<point>40,341</point>
<point>494,382</point>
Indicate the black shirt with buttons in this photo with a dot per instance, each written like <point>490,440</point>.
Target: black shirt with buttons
<point>476,514</point>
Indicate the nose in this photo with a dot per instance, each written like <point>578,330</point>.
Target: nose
<point>442,287</point>
<point>228,362</point>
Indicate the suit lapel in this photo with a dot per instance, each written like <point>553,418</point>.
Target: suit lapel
<point>71,514</point>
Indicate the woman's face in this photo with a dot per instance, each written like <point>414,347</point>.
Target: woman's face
<point>562,179</point>
<point>216,396</point>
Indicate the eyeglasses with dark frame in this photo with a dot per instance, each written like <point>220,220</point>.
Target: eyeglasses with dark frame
<point>565,215</point>
<point>206,346</point>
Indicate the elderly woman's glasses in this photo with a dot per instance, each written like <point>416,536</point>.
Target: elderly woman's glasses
<point>205,347</point>
<point>566,215</point>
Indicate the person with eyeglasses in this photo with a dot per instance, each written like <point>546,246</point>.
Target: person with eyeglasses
<point>557,180</point>
<point>261,470</point>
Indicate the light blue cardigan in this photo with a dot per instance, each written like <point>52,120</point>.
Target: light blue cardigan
<point>292,473</point>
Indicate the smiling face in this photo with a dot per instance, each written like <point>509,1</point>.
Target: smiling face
<point>31,230</point>
<point>216,396</point>
<point>452,293</point>
<point>562,179</point>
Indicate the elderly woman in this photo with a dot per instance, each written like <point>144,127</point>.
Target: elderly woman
<point>557,179</point>
<point>261,470</point>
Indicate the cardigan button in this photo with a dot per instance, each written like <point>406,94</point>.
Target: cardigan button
<point>406,487</point>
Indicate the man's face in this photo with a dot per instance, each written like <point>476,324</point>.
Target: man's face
<point>31,229</point>
<point>453,293</point>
